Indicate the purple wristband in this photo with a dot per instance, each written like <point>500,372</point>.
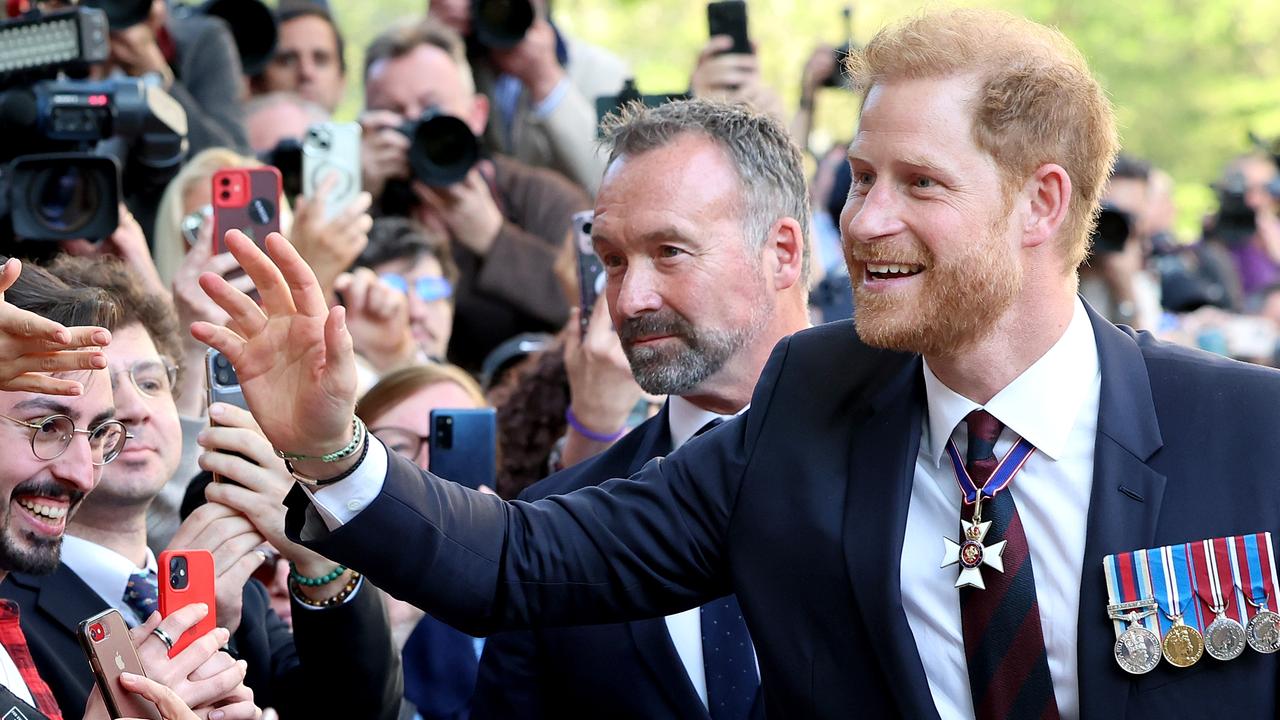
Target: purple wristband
<point>588,434</point>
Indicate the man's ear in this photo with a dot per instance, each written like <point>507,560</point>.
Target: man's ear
<point>1048,196</point>
<point>783,254</point>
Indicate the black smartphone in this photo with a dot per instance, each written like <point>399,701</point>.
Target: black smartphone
<point>729,17</point>
<point>463,446</point>
<point>591,277</point>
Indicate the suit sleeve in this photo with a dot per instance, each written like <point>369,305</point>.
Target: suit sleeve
<point>209,90</point>
<point>635,548</point>
<point>507,686</point>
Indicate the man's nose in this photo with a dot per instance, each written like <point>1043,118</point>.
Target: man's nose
<point>75,465</point>
<point>637,292</point>
<point>874,216</point>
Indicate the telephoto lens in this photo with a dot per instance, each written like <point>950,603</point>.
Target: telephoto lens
<point>501,24</point>
<point>443,149</point>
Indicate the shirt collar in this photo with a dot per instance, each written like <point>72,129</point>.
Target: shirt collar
<point>1040,405</point>
<point>102,569</point>
<point>685,419</point>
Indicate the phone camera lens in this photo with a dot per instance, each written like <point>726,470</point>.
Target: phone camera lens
<point>226,181</point>
<point>586,228</point>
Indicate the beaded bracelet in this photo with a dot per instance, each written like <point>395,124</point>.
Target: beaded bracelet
<point>338,599</point>
<point>319,483</point>
<point>589,434</point>
<point>325,579</point>
<point>357,437</point>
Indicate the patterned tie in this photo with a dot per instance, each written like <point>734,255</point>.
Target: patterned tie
<point>142,595</point>
<point>729,661</point>
<point>1008,665</point>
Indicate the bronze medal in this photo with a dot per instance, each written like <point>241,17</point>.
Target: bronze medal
<point>1183,645</point>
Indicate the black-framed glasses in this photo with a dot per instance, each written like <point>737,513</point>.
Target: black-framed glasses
<point>51,436</point>
<point>153,378</point>
<point>428,288</point>
<point>401,441</point>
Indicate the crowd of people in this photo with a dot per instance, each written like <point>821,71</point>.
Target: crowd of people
<point>820,327</point>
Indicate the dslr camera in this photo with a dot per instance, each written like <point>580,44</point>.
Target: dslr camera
<point>1236,222</point>
<point>73,147</point>
<point>442,151</point>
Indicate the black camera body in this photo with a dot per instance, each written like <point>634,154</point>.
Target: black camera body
<point>443,149</point>
<point>1112,231</point>
<point>1235,221</point>
<point>500,24</point>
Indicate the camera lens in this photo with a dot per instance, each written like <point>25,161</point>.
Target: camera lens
<point>225,181</point>
<point>65,198</point>
<point>225,378</point>
<point>178,572</point>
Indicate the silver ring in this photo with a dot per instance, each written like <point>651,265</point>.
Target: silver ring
<point>164,637</point>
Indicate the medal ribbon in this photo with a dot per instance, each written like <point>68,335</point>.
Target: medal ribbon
<point>1258,571</point>
<point>1129,580</point>
<point>1009,466</point>
<point>1173,582</point>
<point>1209,576</point>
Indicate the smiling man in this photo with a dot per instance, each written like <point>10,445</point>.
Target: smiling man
<point>832,505</point>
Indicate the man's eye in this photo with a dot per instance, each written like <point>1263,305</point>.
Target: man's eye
<point>611,261</point>
<point>667,251</point>
<point>923,183</point>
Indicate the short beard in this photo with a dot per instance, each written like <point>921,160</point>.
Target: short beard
<point>31,553</point>
<point>701,353</point>
<point>959,302</point>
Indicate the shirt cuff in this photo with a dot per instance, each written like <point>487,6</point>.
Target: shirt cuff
<point>549,103</point>
<point>340,502</point>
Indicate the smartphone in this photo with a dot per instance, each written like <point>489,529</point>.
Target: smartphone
<point>463,446</point>
<point>591,278</point>
<point>223,386</point>
<point>729,17</point>
<point>331,148</point>
<point>186,578</point>
<point>248,200</point>
<point>105,641</point>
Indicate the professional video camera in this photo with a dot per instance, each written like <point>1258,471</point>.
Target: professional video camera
<point>67,141</point>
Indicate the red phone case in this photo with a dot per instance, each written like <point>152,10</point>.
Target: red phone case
<point>245,199</point>
<point>198,589</point>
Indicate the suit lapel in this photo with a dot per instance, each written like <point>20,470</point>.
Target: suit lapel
<point>653,641</point>
<point>63,596</point>
<point>656,441</point>
<point>883,459</point>
<point>1124,508</point>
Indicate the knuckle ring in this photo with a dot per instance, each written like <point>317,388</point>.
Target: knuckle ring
<point>164,637</point>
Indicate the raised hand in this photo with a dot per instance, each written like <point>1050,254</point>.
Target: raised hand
<point>32,347</point>
<point>293,355</point>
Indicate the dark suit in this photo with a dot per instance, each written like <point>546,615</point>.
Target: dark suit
<point>621,670</point>
<point>341,663</point>
<point>800,507</point>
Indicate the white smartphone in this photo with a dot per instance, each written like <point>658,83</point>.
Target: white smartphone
<point>331,148</point>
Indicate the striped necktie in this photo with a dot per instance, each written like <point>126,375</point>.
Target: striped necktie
<point>1003,642</point>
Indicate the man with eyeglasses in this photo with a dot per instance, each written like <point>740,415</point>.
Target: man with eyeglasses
<point>106,561</point>
<point>55,450</point>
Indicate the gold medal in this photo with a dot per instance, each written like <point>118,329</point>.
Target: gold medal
<point>1183,645</point>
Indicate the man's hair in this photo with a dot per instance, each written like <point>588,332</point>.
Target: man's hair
<point>397,238</point>
<point>1036,103</point>
<point>137,306</point>
<point>1128,167</point>
<point>258,103</point>
<point>39,291</point>
<point>294,10</point>
<point>766,159</point>
<point>404,37</point>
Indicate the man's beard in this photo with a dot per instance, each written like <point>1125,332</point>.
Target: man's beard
<point>699,352</point>
<point>958,302</point>
<point>30,553</point>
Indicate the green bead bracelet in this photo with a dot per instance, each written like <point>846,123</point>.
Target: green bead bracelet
<point>301,579</point>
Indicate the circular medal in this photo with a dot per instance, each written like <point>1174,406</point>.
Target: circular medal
<point>1224,639</point>
<point>971,554</point>
<point>1264,632</point>
<point>1138,650</point>
<point>1183,646</point>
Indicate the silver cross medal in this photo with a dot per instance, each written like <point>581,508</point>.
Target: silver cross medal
<point>972,554</point>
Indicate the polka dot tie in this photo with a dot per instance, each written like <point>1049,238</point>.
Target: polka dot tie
<point>142,594</point>
<point>729,660</point>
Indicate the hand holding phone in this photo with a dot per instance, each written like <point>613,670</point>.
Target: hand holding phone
<point>186,578</point>
<point>105,641</point>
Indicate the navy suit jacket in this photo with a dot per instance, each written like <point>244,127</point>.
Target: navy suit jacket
<point>619,670</point>
<point>800,506</point>
<point>341,662</point>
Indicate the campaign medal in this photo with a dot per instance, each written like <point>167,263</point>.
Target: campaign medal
<point>1137,650</point>
<point>1183,644</point>
<point>971,553</point>
<point>1224,638</point>
<point>1263,630</point>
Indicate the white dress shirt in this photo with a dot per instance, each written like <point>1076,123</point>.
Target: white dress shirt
<point>1054,405</point>
<point>11,678</point>
<point>105,571</point>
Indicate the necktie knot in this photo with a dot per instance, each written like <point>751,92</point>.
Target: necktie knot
<point>984,430</point>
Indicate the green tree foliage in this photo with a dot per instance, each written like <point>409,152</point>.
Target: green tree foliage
<point>1189,78</point>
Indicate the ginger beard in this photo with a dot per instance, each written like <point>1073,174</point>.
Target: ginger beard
<point>953,304</point>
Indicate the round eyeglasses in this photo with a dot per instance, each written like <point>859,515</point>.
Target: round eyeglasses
<point>428,288</point>
<point>153,378</point>
<point>404,443</point>
<point>51,436</point>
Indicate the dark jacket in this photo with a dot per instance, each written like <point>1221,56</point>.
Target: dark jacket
<point>800,506</point>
